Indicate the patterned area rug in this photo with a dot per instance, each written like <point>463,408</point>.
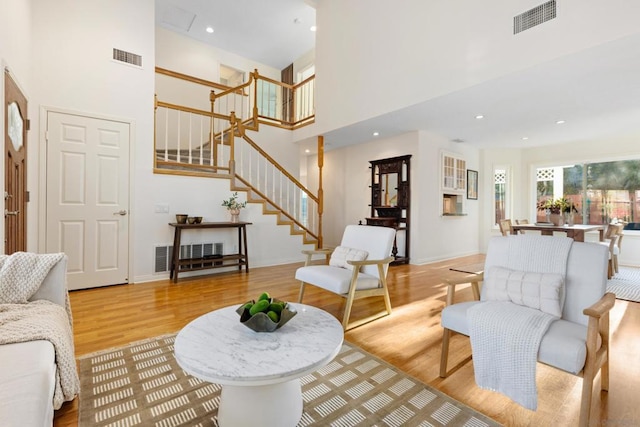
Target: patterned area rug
<point>626,284</point>
<point>141,384</point>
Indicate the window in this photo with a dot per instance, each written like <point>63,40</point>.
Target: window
<point>267,101</point>
<point>500,194</point>
<point>230,76</point>
<point>600,192</point>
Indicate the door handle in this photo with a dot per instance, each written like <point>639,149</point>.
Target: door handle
<point>121,213</point>
<point>8,212</point>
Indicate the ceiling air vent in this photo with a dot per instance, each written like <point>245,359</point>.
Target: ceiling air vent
<point>127,57</point>
<point>535,16</point>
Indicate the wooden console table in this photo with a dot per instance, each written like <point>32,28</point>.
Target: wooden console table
<point>202,263</point>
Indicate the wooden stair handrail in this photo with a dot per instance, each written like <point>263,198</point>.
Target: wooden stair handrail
<point>271,202</point>
<point>274,163</point>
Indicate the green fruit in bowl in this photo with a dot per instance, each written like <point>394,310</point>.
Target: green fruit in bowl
<point>264,296</point>
<point>247,306</point>
<point>273,316</point>
<point>277,306</point>
<point>259,307</point>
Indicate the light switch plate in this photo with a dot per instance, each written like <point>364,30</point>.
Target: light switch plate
<point>162,208</point>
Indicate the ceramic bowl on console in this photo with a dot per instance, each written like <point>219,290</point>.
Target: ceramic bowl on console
<point>181,218</point>
<point>261,322</point>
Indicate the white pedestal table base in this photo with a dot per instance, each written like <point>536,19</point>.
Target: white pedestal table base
<point>249,406</point>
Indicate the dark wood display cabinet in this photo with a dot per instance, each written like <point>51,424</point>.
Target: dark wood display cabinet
<point>391,201</point>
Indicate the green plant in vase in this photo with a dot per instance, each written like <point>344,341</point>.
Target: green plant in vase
<point>233,205</point>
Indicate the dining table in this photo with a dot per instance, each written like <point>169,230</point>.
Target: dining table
<point>576,231</point>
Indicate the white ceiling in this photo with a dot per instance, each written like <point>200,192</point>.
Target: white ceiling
<point>272,32</point>
<point>596,92</point>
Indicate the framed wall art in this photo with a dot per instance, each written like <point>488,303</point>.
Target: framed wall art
<point>472,184</point>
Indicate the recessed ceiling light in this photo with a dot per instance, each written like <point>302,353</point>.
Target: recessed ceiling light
<point>313,28</point>
<point>479,116</point>
<point>524,138</point>
<point>376,133</point>
<point>307,151</point>
<point>209,30</point>
<point>559,122</point>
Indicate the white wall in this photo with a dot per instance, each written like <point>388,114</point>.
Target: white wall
<point>438,47</point>
<point>177,52</point>
<point>346,180</point>
<point>72,70</point>
<point>443,237</point>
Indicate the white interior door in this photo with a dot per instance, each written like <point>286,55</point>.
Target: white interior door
<point>88,197</point>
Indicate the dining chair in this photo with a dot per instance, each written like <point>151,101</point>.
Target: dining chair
<point>520,222</point>
<point>619,245</point>
<point>356,269</point>
<point>505,226</point>
<point>612,240</point>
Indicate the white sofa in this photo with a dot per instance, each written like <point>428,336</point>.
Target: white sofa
<point>27,370</point>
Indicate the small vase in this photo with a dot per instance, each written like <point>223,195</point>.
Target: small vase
<point>235,215</point>
<point>570,219</point>
<point>557,219</point>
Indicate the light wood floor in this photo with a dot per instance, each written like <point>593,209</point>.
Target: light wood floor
<point>410,338</point>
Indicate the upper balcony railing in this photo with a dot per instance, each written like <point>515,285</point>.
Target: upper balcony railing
<point>191,139</point>
<point>192,112</point>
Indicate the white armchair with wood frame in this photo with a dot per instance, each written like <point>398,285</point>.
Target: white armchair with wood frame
<point>578,340</point>
<point>356,269</point>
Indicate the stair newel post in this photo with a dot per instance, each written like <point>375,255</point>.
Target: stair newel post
<point>155,132</point>
<point>320,190</point>
<point>256,76</point>
<point>232,160</point>
<point>213,145</point>
<point>293,115</point>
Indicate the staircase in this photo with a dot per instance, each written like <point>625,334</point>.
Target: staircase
<point>183,146</point>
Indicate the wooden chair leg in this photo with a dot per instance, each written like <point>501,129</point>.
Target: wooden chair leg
<point>444,356</point>
<point>301,292</point>
<point>351,296</point>
<point>383,283</point>
<point>476,291</point>
<point>587,395</point>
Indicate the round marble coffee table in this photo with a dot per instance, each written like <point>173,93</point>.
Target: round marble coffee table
<point>259,371</point>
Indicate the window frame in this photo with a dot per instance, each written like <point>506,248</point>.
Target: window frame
<point>508,199</point>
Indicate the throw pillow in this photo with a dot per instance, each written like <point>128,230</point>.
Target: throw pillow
<point>22,273</point>
<point>342,254</point>
<point>541,291</point>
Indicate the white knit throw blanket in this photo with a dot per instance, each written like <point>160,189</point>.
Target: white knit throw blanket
<point>505,337</point>
<point>21,275</point>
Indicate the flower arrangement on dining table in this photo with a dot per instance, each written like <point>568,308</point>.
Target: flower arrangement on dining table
<point>557,206</point>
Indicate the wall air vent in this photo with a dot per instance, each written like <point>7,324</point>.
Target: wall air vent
<point>127,57</point>
<point>164,253</point>
<point>535,16</point>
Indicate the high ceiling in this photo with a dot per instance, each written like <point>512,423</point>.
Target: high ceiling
<point>272,32</point>
<point>595,92</point>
